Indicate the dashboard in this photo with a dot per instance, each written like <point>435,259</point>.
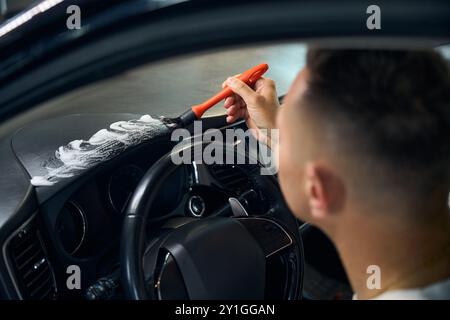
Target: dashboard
<point>45,231</point>
<point>86,230</point>
<point>79,221</point>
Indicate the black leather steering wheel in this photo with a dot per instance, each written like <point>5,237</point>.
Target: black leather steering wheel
<point>239,257</point>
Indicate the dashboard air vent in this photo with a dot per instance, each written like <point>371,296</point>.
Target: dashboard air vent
<point>30,264</point>
<point>232,177</point>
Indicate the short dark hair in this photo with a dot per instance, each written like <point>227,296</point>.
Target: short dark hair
<point>398,100</point>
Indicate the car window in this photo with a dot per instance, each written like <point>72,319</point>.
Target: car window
<point>168,87</point>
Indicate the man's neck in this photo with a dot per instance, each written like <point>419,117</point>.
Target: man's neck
<point>409,255</point>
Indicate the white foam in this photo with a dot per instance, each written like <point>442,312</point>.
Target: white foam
<point>79,155</point>
<point>41,181</point>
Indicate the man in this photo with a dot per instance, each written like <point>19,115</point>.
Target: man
<point>365,156</point>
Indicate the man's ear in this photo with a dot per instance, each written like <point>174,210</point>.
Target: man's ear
<point>324,191</point>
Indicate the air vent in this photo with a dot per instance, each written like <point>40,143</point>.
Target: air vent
<point>231,177</point>
<point>30,265</point>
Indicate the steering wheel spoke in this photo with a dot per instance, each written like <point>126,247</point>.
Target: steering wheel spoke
<point>270,235</point>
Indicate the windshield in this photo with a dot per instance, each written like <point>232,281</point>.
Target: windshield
<point>169,87</point>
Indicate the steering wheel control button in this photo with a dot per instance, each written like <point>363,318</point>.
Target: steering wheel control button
<point>196,206</point>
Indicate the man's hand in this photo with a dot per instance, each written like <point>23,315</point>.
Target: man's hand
<point>258,106</point>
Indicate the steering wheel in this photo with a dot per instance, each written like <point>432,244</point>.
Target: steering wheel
<point>217,257</point>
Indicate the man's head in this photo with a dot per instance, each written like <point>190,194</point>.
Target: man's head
<point>366,131</point>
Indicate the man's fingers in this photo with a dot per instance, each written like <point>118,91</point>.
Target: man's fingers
<point>241,103</point>
<point>264,82</point>
<point>229,102</point>
<point>235,113</point>
<point>232,110</point>
<point>224,84</point>
<point>243,114</point>
<point>241,89</point>
<point>231,119</point>
<point>235,106</point>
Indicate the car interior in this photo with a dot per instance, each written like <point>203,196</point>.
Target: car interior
<point>135,224</point>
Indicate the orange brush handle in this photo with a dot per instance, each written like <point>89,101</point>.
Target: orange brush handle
<point>249,77</point>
